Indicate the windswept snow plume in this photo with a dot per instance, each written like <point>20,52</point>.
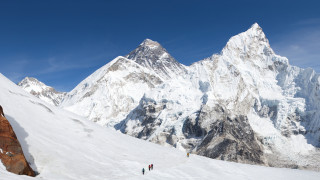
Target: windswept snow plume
<point>62,145</point>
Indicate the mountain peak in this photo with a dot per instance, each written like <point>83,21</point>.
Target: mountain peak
<point>30,80</point>
<point>42,91</point>
<point>252,40</point>
<point>255,26</point>
<point>148,50</point>
<point>256,31</point>
<point>150,43</point>
<point>152,55</point>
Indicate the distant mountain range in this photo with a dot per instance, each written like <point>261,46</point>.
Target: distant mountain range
<point>246,104</point>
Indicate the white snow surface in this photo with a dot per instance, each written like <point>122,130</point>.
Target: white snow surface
<point>61,145</point>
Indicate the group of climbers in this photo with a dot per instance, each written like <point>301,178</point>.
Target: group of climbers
<point>150,168</point>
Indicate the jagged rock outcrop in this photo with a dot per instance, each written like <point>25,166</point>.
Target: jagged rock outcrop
<point>11,154</point>
<point>226,137</point>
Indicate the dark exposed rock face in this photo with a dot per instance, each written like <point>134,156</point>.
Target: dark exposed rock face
<point>212,132</point>
<point>224,137</point>
<point>11,154</point>
<point>231,142</point>
<point>147,112</point>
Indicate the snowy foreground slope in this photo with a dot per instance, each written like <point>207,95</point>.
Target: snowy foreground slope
<point>61,145</point>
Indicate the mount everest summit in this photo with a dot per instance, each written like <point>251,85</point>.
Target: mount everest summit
<point>246,104</point>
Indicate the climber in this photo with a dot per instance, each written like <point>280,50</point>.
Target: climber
<point>142,171</point>
<point>187,154</point>
<point>149,167</point>
<point>1,112</point>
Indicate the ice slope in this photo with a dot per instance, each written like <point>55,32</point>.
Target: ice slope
<point>61,145</point>
<point>42,91</point>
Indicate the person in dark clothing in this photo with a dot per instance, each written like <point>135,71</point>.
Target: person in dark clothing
<point>142,171</point>
<point>151,166</point>
<point>1,112</point>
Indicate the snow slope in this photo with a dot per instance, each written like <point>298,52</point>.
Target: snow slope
<point>62,145</point>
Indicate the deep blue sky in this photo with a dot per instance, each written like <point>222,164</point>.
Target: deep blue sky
<point>62,42</point>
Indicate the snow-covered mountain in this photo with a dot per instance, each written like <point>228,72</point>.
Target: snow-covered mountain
<point>61,145</point>
<point>42,91</point>
<point>115,89</point>
<point>246,104</point>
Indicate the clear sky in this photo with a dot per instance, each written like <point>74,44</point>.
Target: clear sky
<point>62,42</point>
